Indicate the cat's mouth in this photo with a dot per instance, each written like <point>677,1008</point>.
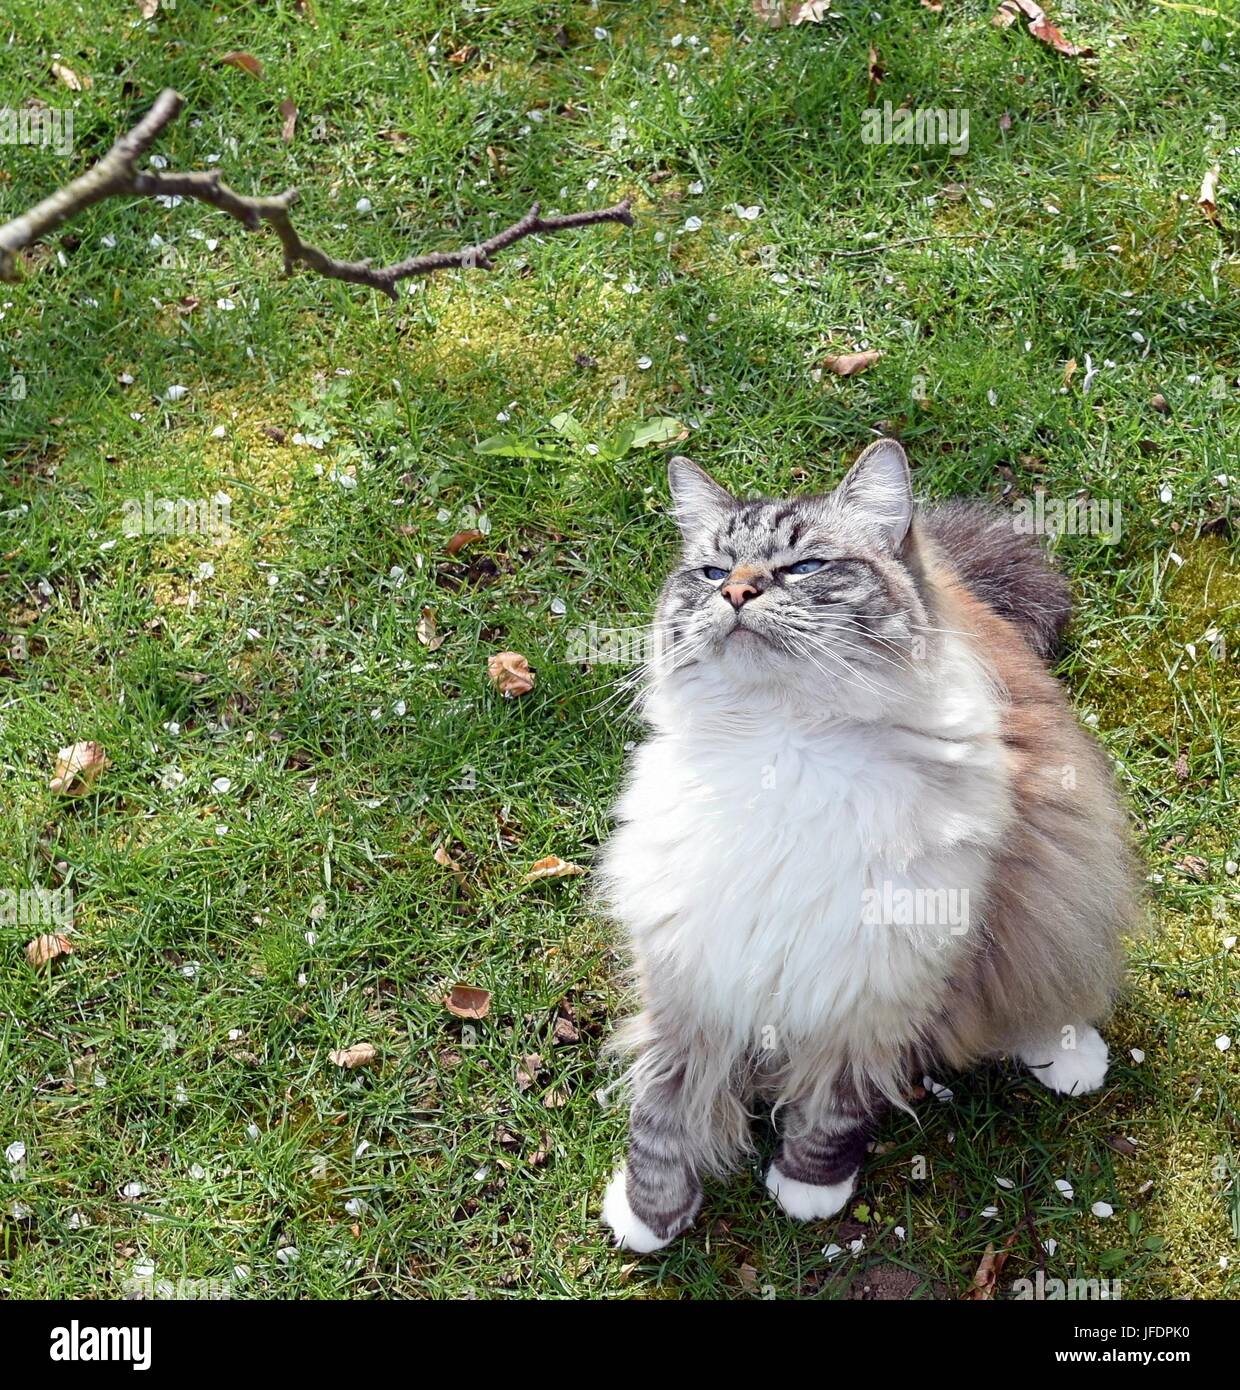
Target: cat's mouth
<point>743,636</point>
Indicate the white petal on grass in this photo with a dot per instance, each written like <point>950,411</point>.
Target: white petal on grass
<point>1137,1055</point>
<point>989,1212</point>
<point>1065,1189</point>
<point>16,1152</point>
<point>1103,1210</point>
<point>1050,1245</point>
<point>833,1252</point>
<point>1222,1042</point>
<point>176,393</point>
<point>692,224</point>
<point>1165,493</point>
<point>133,1190</point>
<point>1006,1183</point>
<point>221,785</point>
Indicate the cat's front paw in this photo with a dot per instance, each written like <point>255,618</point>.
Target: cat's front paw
<point>630,1231</point>
<point>806,1201</point>
<point>1071,1071</point>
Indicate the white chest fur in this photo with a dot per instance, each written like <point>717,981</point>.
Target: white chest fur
<point>781,880</point>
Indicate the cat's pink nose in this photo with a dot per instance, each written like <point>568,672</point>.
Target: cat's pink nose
<point>738,592</point>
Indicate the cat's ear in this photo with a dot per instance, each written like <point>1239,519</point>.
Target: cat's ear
<point>879,487</point>
<point>697,500</point>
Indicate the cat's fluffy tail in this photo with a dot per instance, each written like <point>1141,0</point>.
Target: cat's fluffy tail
<point>1006,570</point>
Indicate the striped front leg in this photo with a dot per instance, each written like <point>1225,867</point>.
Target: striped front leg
<point>657,1194</point>
<point>815,1167</point>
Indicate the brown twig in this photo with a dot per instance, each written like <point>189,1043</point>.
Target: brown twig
<point>117,174</point>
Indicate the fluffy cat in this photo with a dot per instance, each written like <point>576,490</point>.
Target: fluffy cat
<point>865,837</point>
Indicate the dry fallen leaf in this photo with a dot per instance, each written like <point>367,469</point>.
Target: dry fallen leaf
<point>528,1070</point>
<point>1039,26</point>
<point>149,8</point>
<point>553,867</point>
<point>359,1055</point>
<point>564,1032</point>
<point>983,1286</point>
<point>1207,199</point>
<point>428,634</point>
<point>850,363</point>
<point>510,674</point>
<point>44,949</point>
<point>446,860</point>
<point>78,767</point>
<point>70,78</point>
<point>467,1001</point>
<point>874,69</point>
<point>461,540</point>
<point>247,62</point>
<point>1069,371</point>
<point>288,109</point>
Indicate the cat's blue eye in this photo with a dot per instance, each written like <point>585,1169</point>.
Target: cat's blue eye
<point>713,572</point>
<point>805,566</point>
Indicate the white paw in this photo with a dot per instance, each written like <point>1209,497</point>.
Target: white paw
<point>1072,1071</point>
<point>630,1231</point>
<point>806,1201</point>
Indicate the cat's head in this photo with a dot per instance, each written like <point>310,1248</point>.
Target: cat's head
<point>815,593</point>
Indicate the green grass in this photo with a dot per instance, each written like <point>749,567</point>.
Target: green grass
<point>184,1046</point>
